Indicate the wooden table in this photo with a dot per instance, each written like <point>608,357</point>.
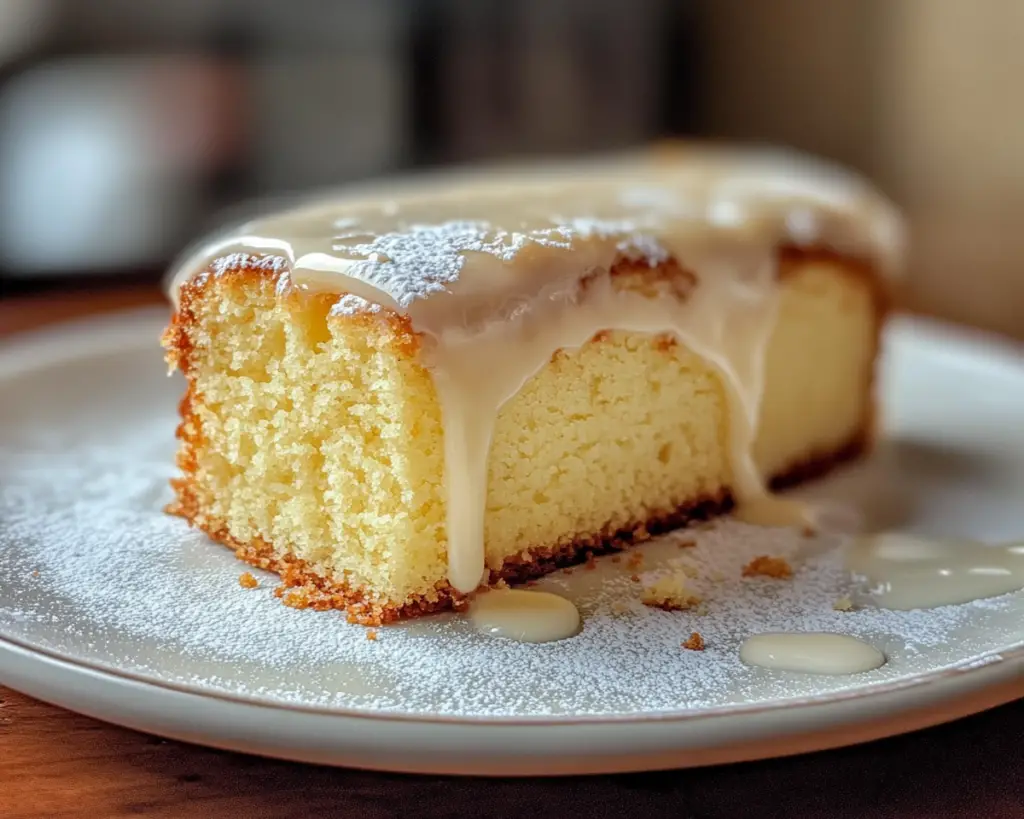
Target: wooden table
<point>57,764</point>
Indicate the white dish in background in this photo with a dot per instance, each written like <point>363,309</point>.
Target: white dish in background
<point>111,608</point>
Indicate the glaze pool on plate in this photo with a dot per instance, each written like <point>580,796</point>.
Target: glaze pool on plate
<point>182,650</point>
<point>909,572</point>
<point>811,652</point>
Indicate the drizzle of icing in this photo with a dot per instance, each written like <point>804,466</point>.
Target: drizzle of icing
<point>478,373</point>
<point>524,616</point>
<point>911,572</point>
<point>499,271</point>
<point>811,653</point>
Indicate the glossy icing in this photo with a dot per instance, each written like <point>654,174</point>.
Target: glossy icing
<point>500,269</point>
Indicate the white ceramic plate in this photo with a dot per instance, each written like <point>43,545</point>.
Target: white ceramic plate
<point>111,608</point>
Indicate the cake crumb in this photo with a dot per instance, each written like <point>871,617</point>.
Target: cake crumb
<point>616,558</point>
<point>591,563</point>
<point>296,598</point>
<point>843,604</point>
<point>371,635</point>
<point>808,531</point>
<point>635,578</point>
<point>35,573</point>
<point>767,566</point>
<point>567,570</point>
<point>695,642</point>
<point>636,561</point>
<point>669,593</point>
<point>620,607</point>
<point>247,581</point>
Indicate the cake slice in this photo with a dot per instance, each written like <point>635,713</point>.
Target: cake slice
<point>396,398</point>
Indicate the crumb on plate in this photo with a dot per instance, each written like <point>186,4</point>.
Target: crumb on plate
<point>669,593</point>
<point>247,581</point>
<point>296,598</point>
<point>767,566</point>
<point>695,642</point>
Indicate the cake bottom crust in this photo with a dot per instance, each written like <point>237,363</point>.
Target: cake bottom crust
<point>304,587</point>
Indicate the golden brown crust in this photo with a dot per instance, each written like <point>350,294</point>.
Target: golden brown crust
<point>322,593</point>
<point>313,590</point>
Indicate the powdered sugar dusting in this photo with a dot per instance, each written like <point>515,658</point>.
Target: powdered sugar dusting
<point>639,247</point>
<point>418,260</point>
<point>91,567</point>
<point>229,262</point>
<point>247,261</point>
<point>422,259</point>
<point>352,305</point>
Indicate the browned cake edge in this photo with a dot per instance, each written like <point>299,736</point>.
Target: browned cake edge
<point>304,587</point>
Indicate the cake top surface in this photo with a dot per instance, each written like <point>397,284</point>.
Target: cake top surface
<point>513,232</point>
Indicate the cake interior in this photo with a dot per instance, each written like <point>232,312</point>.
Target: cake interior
<point>313,442</point>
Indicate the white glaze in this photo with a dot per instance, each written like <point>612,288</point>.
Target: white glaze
<point>811,653</point>
<point>912,572</point>
<point>525,616</point>
<point>499,271</point>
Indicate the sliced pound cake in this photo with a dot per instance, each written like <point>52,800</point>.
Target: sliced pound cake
<point>398,397</point>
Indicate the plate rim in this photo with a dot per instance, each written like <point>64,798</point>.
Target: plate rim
<point>1006,658</point>
<point>477,748</point>
<point>125,325</point>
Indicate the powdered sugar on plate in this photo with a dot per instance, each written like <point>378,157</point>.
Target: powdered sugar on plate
<point>92,569</point>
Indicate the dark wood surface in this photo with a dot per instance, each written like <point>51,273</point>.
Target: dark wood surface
<point>57,764</point>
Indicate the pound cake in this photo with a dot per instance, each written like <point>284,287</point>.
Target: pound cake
<point>398,396</point>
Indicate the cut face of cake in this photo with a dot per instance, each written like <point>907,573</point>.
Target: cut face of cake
<point>396,398</point>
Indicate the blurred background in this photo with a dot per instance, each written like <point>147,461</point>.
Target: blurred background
<point>129,126</point>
